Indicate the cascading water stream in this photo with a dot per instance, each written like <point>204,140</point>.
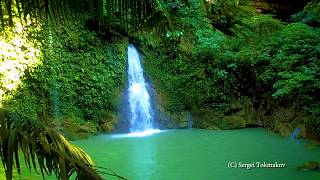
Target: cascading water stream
<point>141,119</point>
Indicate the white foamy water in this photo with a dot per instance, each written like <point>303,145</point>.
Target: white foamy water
<point>141,115</point>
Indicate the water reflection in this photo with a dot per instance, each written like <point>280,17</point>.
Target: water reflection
<point>143,159</point>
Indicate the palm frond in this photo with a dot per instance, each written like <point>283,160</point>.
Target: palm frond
<point>159,19</point>
<point>1,14</point>
<point>115,14</point>
<point>9,9</point>
<point>43,146</point>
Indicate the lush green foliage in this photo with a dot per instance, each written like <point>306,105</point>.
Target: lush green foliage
<point>210,53</point>
<point>85,73</point>
<point>18,55</point>
<point>51,71</point>
<point>106,17</point>
<point>54,72</point>
<point>79,75</point>
<point>310,15</point>
<point>36,10</point>
<point>199,67</point>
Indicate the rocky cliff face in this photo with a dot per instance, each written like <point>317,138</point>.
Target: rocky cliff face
<point>282,120</point>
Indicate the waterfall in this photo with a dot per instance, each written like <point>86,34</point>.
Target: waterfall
<point>141,114</point>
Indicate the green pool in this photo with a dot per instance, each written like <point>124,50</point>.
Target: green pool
<point>203,155</point>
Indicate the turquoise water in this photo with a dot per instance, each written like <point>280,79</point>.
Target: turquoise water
<point>202,155</point>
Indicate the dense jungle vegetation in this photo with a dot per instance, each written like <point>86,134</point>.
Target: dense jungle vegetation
<point>228,63</point>
<point>234,68</point>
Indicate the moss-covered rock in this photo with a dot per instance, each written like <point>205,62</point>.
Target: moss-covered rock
<point>285,120</point>
<point>74,129</point>
<point>235,122</point>
<point>310,166</point>
<point>107,122</point>
<point>282,128</point>
<point>208,119</point>
<point>240,114</point>
<point>174,119</point>
<point>217,120</point>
